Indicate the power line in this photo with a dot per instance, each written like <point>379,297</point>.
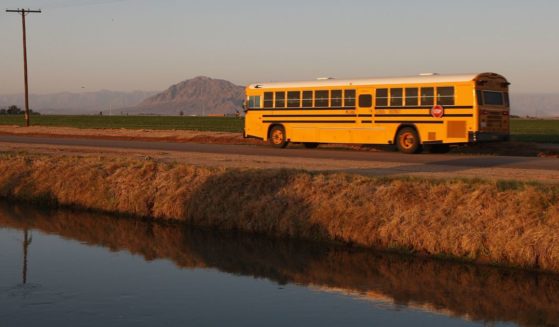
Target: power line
<point>23,13</point>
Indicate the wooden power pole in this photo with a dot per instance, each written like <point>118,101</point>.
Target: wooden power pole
<point>23,13</point>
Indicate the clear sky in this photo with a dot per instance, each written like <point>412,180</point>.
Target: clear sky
<point>151,44</point>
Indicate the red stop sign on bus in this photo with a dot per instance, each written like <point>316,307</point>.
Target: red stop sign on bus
<point>437,111</point>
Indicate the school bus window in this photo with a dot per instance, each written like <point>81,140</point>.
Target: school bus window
<point>427,96</point>
<point>491,98</point>
<point>254,102</point>
<point>268,99</point>
<point>349,98</point>
<point>280,99</point>
<point>321,99</point>
<point>382,97</point>
<point>293,99</point>
<point>365,101</point>
<point>507,99</point>
<point>479,96</point>
<point>396,97</point>
<point>412,99</point>
<point>336,101</point>
<point>307,99</point>
<point>445,96</point>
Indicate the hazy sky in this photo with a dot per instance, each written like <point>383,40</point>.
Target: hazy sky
<point>149,45</point>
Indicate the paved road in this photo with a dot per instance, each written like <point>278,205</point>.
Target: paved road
<point>425,159</point>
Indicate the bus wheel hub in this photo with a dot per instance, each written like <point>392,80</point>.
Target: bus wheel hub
<point>277,137</point>
<point>407,140</point>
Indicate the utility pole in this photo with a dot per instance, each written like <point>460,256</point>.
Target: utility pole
<point>23,13</point>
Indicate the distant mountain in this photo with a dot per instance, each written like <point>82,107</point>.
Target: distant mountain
<point>77,103</point>
<point>535,105</point>
<point>197,96</point>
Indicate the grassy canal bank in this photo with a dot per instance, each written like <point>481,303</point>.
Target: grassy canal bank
<point>506,223</point>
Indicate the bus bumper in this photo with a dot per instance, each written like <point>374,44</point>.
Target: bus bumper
<point>475,137</point>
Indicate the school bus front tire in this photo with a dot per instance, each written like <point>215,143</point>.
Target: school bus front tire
<point>277,137</point>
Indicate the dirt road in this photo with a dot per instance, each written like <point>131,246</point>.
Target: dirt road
<point>253,156</point>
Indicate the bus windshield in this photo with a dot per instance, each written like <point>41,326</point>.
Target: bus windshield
<point>492,98</point>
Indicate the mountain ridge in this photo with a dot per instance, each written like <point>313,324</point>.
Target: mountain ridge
<point>197,96</point>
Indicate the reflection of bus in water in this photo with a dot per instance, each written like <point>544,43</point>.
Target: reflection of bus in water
<point>410,112</point>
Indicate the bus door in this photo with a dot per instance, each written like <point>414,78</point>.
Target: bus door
<point>369,132</point>
<point>364,107</point>
<point>363,116</point>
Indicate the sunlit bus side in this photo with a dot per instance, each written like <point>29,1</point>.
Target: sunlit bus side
<point>411,112</point>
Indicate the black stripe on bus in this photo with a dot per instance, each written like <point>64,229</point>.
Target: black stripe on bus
<point>458,107</point>
<point>318,115</point>
<point>366,121</point>
<point>365,116</point>
<point>353,108</point>
<point>458,115</point>
<point>311,121</point>
<point>307,116</point>
<point>422,115</point>
<point>302,108</point>
<point>423,107</point>
<point>408,121</point>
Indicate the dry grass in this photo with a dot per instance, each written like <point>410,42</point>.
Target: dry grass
<point>474,291</point>
<point>510,223</point>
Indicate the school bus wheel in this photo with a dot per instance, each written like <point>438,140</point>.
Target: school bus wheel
<point>407,141</point>
<point>277,137</point>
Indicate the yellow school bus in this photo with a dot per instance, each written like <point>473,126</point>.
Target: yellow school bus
<point>411,112</point>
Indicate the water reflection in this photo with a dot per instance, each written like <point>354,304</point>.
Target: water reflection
<point>472,292</point>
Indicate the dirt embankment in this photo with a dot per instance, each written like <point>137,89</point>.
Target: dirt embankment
<point>509,223</point>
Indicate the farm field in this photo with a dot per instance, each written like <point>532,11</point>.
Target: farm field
<point>531,130</point>
<point>216,124</point>
<point>524,130</point>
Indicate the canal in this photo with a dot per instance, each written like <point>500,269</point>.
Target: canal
<point>72,268</point>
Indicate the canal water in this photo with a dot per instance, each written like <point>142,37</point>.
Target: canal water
<point>70,268</point>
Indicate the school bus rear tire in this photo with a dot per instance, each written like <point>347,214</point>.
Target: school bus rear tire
<point>407,141</point>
